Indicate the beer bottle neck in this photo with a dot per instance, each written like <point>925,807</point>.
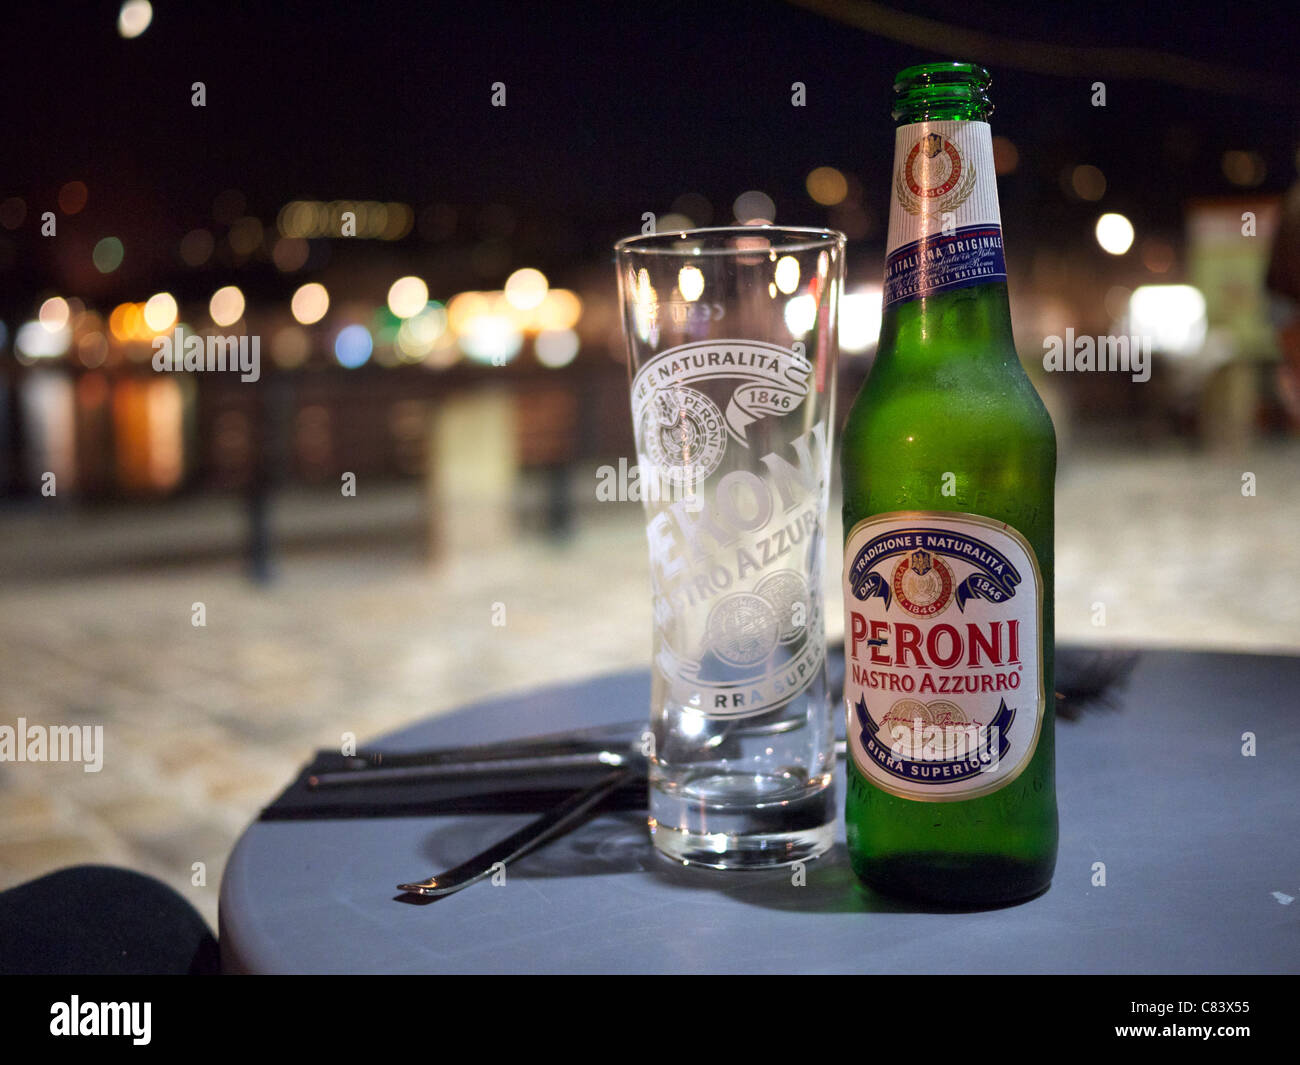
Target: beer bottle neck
<point>945,277</point>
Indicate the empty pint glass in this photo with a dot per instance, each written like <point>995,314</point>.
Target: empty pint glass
<point>731,337</point>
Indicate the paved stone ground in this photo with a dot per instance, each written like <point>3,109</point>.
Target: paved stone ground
<point>203,725</point>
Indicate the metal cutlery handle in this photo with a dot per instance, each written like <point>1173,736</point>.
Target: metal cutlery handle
<point>553,823</point>
<point>495,767</point>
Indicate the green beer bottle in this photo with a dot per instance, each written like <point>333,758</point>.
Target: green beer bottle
<point>949,463</point>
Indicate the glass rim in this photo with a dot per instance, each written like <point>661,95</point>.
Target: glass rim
<point>787,239</point>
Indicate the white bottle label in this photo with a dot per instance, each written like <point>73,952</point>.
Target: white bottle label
<point>943,649</point>
<point>945,229</point>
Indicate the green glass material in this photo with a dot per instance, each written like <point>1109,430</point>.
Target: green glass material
<point>947,394</point>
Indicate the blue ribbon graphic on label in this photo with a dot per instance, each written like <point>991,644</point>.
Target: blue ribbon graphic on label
<point>939,262</point>
<point>871,586</point>
<point>881,749</point>
<point>995,579</point>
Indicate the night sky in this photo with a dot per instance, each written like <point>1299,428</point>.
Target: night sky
<point>612,110</point>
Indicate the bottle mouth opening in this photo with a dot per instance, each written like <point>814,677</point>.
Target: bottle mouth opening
<point>957,88</point>
<point>970,74</point>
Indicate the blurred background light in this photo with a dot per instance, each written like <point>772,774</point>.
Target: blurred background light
<point>556,347</point>
<point>290,254</point>
<point>419,334</point>
<point>310,303</point>
<point>353,346</point>
<point>73,196</point>
<point>1006,156</point>
<point>754,207</point>
<point>107,255</point>
<point>1173,316</point>
<point>54,313</point>
<point>290,346</point>
<point>134,18</point>
<point>36,341</point>
<point>1114,233</point>
<point>827,186</point>
<point>1088,182</point>
<point>800,314</point>
<point>525,289</point>
<point>196,247</point>
<point>667,223</point>
<point>860,316</point>
<point>124,321</point>
<point>226,306</point>
<point>1245,169</point>
<point>1157,255</point>
<point>407,296</point>
<point>560,310</point>
<point>160,311</point>
<point>492,339</point>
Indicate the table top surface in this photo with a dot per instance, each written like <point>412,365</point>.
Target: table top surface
<point>1199,843</point>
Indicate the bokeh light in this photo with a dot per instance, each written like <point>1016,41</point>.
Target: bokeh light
<point>419,334</point>
<point>1088,182</point>
<point>827,186</point>
<point>54,314</point>
<point>860,316</point>
<point>800,314</point>
<point>35,341</point>
<point>1173,316</point>
<point>560,310</point>
<point>556,347</point>
<point>134,18</point>
<point>290,254</point>
<point>126,322</point>
<point>290,346</point>
<point>464,307</point>
<point>108,255</point>
<point>1157,255</point>
<point>226,306</point>
<point>353,346</point>
<point>196,247</point>
<point>754,207</point>
<point>310,303</point>
<point>407,296</point>
<point>1245,169</point>
<point>1114,233</point>
<point>492,339</point>
<point>92,349</point>
<point>1006,156</point>
<point>73,196</point>
<point>160,311</point>
<point>525,289</point>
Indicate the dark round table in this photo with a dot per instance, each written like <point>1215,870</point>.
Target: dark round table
<point>1196,839</point>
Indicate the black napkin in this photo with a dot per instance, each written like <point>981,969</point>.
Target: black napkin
<point>506,794</point>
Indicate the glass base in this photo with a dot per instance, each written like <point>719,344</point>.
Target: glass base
<point>736,821</point>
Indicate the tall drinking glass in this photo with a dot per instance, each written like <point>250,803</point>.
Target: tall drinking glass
<point>731,337</point>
